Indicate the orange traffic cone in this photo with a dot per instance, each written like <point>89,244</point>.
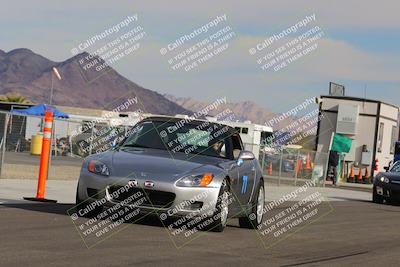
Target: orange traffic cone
<point>360,175</point>
<point>299,165</point>
<point>366,174</point>
<point>270,169</point>
<point>308,163</point>
<point>352,174</point>
<point>298,168</point>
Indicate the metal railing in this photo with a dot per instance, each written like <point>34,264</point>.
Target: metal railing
<point>73,140</point>
<point>293,166</point>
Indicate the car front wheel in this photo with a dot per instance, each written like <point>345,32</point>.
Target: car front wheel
<point>255,218</point>
<point>82,204</point>
<point>220,216</point>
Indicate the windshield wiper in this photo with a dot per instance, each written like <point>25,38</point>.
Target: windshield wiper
<point>135,145</point>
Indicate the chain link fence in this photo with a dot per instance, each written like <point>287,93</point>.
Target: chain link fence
<point>75,139</point>
<point>294,166</point>
<point>72,140</point>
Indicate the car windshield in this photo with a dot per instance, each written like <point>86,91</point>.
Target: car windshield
<point>201,138</point>
<point>395,167</point>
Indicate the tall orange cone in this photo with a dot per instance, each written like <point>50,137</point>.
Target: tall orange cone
<point>44,159</point>
<point>366,174</point>
<point>352,174</point>
<point>298,167</point>
<point>270,169</point>
<point>376,165</point>
<point>308,163</point>
<point>359,177</point>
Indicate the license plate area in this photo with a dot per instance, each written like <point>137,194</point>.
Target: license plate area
<point>379,190</point>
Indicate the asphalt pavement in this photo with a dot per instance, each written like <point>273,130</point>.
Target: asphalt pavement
<point>352,232</point>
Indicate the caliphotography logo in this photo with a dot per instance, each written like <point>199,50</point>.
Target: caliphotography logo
<point>155,133</point>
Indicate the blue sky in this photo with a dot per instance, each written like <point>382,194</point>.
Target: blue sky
<point>360,47</point>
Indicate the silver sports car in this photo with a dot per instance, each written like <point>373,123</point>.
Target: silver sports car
<point>181,167</point>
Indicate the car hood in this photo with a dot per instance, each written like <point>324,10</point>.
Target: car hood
<point>391,175</point>
<point>160,164</point>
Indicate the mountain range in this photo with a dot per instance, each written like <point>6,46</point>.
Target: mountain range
<point>244,111</point>
<point>31,75</point>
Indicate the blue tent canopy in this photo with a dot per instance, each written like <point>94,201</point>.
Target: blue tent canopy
<point>39,110</point>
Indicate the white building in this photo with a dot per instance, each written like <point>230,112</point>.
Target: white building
<point>254,136</point>
<point>372,124</point>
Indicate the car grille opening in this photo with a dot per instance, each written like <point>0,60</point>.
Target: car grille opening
<point>92,192</point>
<point>196,205</point>
<point>154,198</point>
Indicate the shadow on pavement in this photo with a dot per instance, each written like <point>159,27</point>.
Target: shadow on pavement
<point>352,199</point>
<point>61,209</point>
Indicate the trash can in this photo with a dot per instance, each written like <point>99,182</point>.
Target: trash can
<point>36,144</point>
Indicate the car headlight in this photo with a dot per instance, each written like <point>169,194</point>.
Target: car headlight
<point>98,168</point>
<point>201,180</point>
<point>384,179</point>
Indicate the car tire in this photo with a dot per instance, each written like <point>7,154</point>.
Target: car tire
<point>81,204</point>
<point>253,220</point>
<point>376,198</point>
<point>220,216</point>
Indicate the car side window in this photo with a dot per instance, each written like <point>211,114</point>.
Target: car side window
<point>237,142</point>
<point>237,145</point>
<point>395,167</point>
<point>228,148</point>
<point>219,148</point>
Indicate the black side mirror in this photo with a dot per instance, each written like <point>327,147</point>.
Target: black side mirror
<point>386,168</point>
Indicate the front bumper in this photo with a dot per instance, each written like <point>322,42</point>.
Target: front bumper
<point>388,190</point>
<point>163,197</point>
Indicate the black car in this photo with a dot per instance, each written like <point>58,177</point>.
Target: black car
<point>387,185</point>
